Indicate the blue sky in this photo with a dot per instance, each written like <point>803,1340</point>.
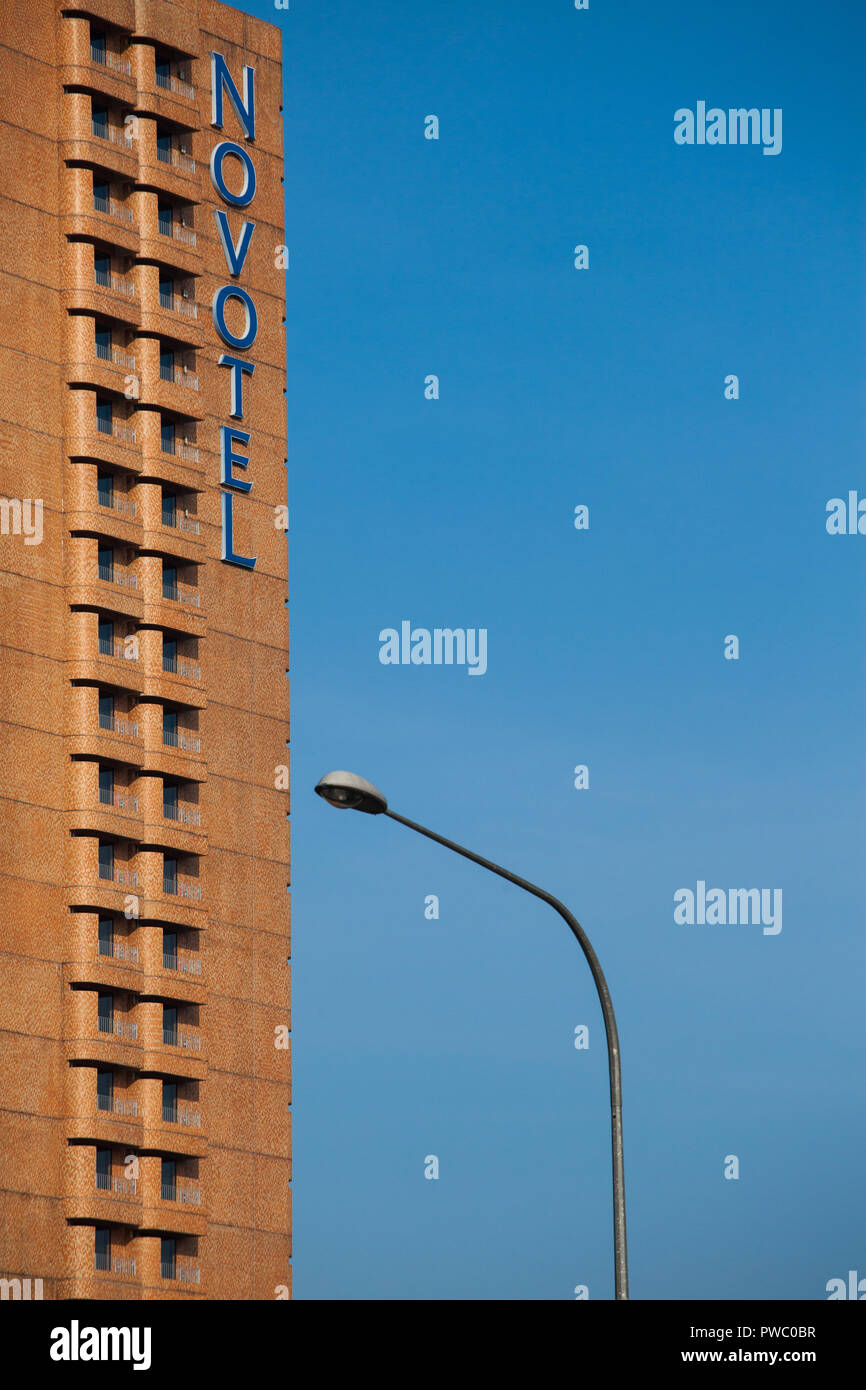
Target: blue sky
<point>558,387</point>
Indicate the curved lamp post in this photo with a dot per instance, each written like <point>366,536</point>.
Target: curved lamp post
<point>346,791</point>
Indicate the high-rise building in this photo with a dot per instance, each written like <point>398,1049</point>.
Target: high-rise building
<point>144,865</point>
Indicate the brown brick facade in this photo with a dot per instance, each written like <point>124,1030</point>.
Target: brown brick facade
<point>144,914</point>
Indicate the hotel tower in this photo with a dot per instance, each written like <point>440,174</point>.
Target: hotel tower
<point>144,860</point>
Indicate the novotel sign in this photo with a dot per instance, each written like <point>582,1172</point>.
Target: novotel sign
<point>234,440</point>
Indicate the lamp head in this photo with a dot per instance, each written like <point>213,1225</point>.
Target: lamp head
<point>348,792</point>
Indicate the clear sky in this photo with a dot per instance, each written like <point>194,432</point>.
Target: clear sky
<point>559,387</point>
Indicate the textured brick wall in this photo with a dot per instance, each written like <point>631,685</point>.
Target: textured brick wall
<point>232,996</point>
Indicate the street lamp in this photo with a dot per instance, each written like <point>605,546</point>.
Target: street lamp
<point>346,791</point>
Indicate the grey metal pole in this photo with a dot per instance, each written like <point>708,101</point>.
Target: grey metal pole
<point>620,1252</point>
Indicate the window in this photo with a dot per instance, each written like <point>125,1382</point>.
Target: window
<point>163,148</point>
<point>169,727</point>
<point>106,786</point>
<point>103,415</point>
<point>169,800</point>
<point>166,364</point>
<point>169,1180</point>
<point>169,950</point>
<point>104,481</point>
<point>163,72</point>
<point>105,1013</point>
<point>169,654</point>
<point>106,638</point>
<point>106,859</point>
<point>165,215</point>
<point>169,581</point>
<point>169,874</point>
<point>168,1257</point>
<point>103,1168</point>
<point>167,436</point>
<point>105,562</point>
<point>169,1024</point>
<point>106,936</point>
<point>102,1247</point>
<point>106,711</point>
<point>102,266</point>
<point>97,45</point>
<point>169,504</point>
<point>103,350</point>
<point>105,1090</point>
<point>99,121</point>
<point>169,1101</point>
<point>166,291</point>
<point>101,199</point>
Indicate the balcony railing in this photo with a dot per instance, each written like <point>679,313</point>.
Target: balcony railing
<point>118,1106</point>
<point>181,888</point>
<point>179,1192</point>
<point>190,964</point>
<point>178,739</point>
<point>114,646</point>
<point>117,283</point>
<point>181,666</point>
<point>109,353</point>
<point>125,877</point>
<point>186,815</point>
<point>119,1027</point>
<point>118,950</point>
<point>123,1186</point>
<point>117,135</point>
<point>123,1264</point>
<point>179,158</point>
<point>112,208</point>
<point>188,1274</point>
<point>116,725</point>
<point>175,84</point>
<point>179,376</point>
<point>180,304</point>
<point>107,59</point>
<point>180,448</point>
<point>182,1037</point>
<point>184,233</point>
<point>179,521</point>
<point>111,575</point>
<point>116,502</point>
<point>181,593</point>
<point>109,796</point>
<point>181,1115</point>
<point>125,433</point>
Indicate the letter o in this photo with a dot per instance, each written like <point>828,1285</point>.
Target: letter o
<point>251,326</point>
<point>217,156</point>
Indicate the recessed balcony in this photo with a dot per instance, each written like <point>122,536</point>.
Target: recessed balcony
<point>176,85</point>
<point>177,158</point>
<point>182,666</point>
<point>178,304</point>
<point>112,207</point>
<point>117,1105</point>
<point>120,1187</point>
<point>116,1027</point>
<point>180,1270</point>
<point>122,877</point>
<point>180,886</point>
<point>186,1038</point>
<point>105,58</point>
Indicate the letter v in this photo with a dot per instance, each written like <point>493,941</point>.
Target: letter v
<point>235,255</point>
